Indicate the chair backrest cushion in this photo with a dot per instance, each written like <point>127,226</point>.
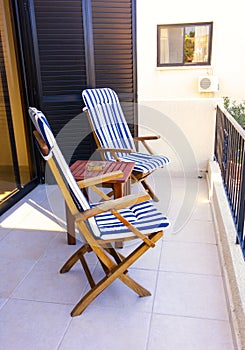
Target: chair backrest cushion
<point>107,119</point>
<point>41,124</point>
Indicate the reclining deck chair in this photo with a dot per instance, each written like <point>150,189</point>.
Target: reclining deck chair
<point>126,218</point>
<point>113,137</point>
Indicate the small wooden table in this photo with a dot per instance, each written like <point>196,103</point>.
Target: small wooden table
<point>82,169</point>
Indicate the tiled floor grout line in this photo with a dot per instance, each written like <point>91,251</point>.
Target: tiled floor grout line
<point>31,269</point>
<point>154,295</point>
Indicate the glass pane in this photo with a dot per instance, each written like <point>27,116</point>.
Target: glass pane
<point>196,44</point>
<point>15,160</point>
<point>171,45</point>
<point>7,174</point>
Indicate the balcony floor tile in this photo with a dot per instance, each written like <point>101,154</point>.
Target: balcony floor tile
<point>187,309</point>
<point>174,332</point>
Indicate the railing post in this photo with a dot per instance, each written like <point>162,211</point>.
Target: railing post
<point>241,211</point>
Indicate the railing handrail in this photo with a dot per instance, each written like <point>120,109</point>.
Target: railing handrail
<point>233,121</point>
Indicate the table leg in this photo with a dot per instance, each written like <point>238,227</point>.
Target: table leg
<point>120,190</point>
<point>71,234</point>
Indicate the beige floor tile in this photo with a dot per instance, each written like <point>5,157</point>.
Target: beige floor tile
<point>172,333</point>
<point>26,244</point>
<point>2,302</point>
<point>189,257</point>
<point>12,272</point>
<point>190,295</point>
<point>32,325</point>
<point>187,309</point>
<point>108,329</point>
<point>45,283</point>
<point>198,231</point>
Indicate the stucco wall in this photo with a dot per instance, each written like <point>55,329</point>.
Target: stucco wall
<point>186,128</point>
<point>228,49</point>
<point>173,92</point>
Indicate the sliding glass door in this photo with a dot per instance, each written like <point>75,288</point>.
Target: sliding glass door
<point>16,159</point>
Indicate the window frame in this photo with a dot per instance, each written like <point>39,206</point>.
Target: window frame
<point>183,26</point>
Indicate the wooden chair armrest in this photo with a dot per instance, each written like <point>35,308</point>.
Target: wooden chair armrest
<point>41,143</point>
<point>113,204</point>
<point>114,151</point>
<point>99,179</point>
<point>125,150</point>
<point>147,138</point>
<point>143,140</point>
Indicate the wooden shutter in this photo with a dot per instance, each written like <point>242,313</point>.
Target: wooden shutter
<point>62,67</point>
<point>114,51</point>
<point>79,44</point>
<point>113,45</point>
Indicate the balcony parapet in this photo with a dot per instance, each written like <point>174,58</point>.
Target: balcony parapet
<point>231,257</point>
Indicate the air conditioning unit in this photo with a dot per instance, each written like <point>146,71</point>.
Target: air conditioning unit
<point>208,83</point>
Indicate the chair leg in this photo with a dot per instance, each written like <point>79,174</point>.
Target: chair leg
<point>75,257</point>
<point>150,191</point>
<point>87,271</point>
<point>118,271</point>
<point>136,287</point>
<point>119,258</point>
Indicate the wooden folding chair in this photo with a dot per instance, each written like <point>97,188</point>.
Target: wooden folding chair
<point>130,217</point>
<point>114,139</point>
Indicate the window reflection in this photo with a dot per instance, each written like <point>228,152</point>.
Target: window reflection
<point>182,44</point>
<point>15,159</point>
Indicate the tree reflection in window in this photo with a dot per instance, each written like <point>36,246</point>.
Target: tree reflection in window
<point>184,44</point>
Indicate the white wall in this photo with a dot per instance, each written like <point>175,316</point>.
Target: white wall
<point>228,49</point>
<point>173,91</point>
<point>186,128</point>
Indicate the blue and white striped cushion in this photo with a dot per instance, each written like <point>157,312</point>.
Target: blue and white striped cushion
<point>41,124</point>
<point>144,216</point>
<point>112,130</point>
<point>108,118</point>
<point>145,163</point>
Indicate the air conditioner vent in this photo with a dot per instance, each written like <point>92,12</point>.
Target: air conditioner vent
<point>208,83</point>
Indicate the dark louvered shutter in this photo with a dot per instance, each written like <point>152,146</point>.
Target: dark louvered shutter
<point>113,45</point>
<point>114,50</point>
<point>62,69</point>
<point>80,44</point>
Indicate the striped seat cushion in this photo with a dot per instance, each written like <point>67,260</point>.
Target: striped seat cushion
<point>145,163</point>
<point>112,130</point>
<point>144,216</point>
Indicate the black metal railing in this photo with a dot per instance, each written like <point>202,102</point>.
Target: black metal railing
<point>230,154</point>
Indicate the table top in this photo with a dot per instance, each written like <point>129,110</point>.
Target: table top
<point>83,169</point>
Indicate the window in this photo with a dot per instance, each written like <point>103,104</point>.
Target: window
<point>184,44</point>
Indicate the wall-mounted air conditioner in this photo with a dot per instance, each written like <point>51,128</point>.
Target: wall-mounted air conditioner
<point>208,83</point>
